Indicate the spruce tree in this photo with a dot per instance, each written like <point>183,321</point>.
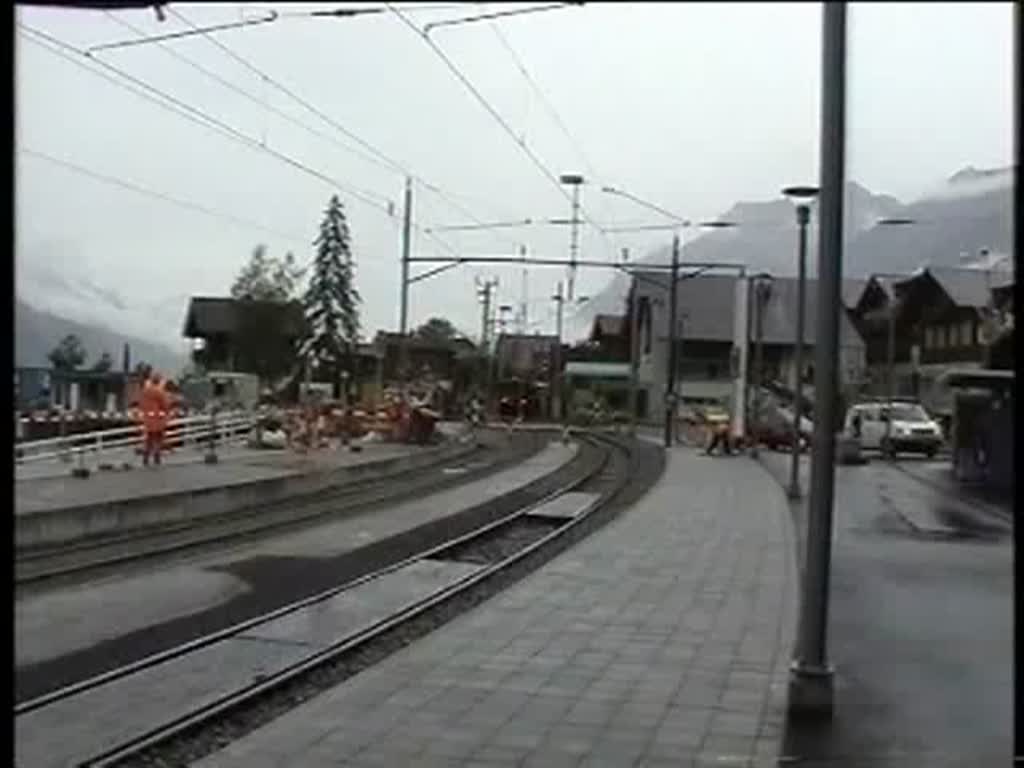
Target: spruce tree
<point>331,302</point>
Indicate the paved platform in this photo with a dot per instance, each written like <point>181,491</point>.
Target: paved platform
<point>182,475</point>
<point>663,639</point>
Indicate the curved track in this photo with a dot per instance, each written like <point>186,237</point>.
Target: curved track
<point>68,563</point>
<point>129,714</point>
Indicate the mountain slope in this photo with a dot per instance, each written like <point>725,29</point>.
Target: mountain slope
<point>37,332</point>
<point>972,210</point>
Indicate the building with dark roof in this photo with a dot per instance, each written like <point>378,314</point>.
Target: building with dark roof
<point>943,318</point>
<point>217,322</point>
<point>708,337</point>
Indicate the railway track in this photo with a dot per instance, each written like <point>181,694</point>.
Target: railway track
<point>175,706</point>
<point>51,566</point>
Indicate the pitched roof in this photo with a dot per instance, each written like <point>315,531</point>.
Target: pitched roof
<point>966,286</point>
<point>608,325</point>
<point>209,315</point>
<point>708,302</point>
<point>781,310</point>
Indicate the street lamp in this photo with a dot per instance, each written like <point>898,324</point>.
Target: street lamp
<point>811,676</point>
<point>573,180</point>
<point>891,341</point>
<point>802,196</point>
<point>762,293</point>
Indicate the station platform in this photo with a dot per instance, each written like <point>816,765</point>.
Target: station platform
<point>661,640</point>
<point>52,509</point>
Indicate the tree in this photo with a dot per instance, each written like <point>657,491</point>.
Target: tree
<point>104,364</point>
<point>331,302</point>
<point>67,355</point>
<point>267,279</point>
<point>436,329</point>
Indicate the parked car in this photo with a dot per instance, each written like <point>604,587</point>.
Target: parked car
<point>911,429</point>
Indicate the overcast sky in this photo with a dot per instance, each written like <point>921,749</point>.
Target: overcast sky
<point>690,106</point>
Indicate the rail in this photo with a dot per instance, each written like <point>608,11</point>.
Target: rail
<point>180,433</point>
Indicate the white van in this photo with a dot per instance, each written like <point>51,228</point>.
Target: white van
<point>912,429</point>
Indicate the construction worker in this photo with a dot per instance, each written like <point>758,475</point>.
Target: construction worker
<point>720,432</point>
<point>155,404</point>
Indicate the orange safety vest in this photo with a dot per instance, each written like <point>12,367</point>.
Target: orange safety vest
<point>155,406</point>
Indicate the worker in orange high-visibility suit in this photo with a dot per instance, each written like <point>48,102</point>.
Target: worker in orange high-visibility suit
<point>155,404</point>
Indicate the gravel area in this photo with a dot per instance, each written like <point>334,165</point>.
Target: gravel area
<point>640,468</point>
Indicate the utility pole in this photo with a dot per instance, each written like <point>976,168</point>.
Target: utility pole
<point>574,239</point>
<point>524,302</point>
<point>556,374</point>
<point>485,290</point>
<point>403,318</point>
<point>670,379</point>
<point>574,180</point>
<point>811,681</point>
<point>890,368</point>
<point>634,349</point>
<point>803,216</point>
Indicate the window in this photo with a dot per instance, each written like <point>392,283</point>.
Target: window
<point>940,336</point>
<point>929,337</point>
<point>966,333</point>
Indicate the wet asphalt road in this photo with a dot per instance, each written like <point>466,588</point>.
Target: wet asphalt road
<point>920,630</point>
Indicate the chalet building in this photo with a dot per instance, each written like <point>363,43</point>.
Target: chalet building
<point>942,318</point>
<point>215,323</point>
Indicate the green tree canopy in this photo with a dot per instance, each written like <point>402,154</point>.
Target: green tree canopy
<point>267,279</point>
<point>437,329</point>
<point>331,302</point>
<point>68,354</point>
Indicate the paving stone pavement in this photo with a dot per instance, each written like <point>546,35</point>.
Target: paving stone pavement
<point>663,639</point>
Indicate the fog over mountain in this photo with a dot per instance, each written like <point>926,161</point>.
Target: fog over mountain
<point>972,210</point>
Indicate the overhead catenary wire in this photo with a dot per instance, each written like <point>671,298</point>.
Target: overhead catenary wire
<point>132,186</point>
<point>493,112</point>
<point>207,120</point>
<point>382,157</point>
<point>550,107</point>
<point>250,96</point>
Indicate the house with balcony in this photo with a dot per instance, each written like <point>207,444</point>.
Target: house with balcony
<point>939,319</point>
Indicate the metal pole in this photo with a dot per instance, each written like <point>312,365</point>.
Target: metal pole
<point>890,385</point>
<point>811,683</point>
<point>574,239</point>
<point>557,373</point>
<point>634,358</point>
<point>403,318</point>
<point>670,378</point>
<point>755,415</point>
<point>803,215</point>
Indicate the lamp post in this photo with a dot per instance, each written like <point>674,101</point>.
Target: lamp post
<point>811,679</point>
<point>762,294</point>
<point>573,180</point>
<point>803,196</point>
<point>890,346</point>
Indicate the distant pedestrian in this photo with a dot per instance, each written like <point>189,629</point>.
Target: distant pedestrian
<point>720,436</point>
<point>155,404</point>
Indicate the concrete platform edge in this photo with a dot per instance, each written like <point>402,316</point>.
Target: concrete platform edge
<point>73,524</point>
